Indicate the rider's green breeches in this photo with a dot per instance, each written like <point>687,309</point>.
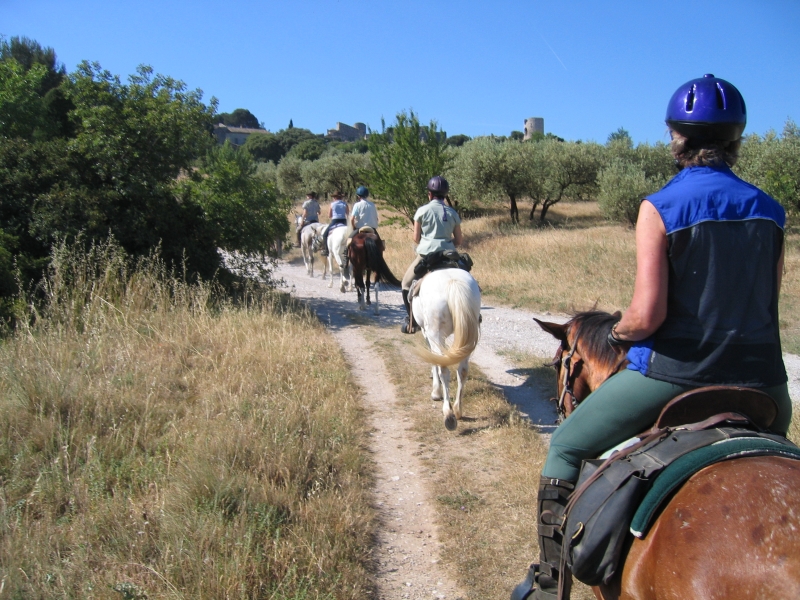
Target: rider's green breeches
<point>624,406</point>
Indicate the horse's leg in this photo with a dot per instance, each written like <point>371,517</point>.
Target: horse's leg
<point>376,294</point>
<point>450,417</point>
<point>436,389</point>
<point>463,369</point>
<point>366,284</point>
<point>330,266</point>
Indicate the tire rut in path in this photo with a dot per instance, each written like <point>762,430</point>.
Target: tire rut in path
<point>406,555</point>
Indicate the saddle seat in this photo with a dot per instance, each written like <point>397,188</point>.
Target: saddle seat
<point>700,404</point>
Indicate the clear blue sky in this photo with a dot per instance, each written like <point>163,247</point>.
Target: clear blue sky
<point>477,67</point>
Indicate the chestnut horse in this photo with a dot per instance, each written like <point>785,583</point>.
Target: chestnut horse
<point>730,532</point>
<point>365,253</point>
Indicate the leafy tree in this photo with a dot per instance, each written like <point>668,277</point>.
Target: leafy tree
<point>241,117</point>
<point>355,147</point>
<point>620,136</point>
<point>517,136</point>
<point>29,53</point>
<point>403,159</point>
<point>291,124</point>
<point>310,149</point>
<point>264,147</point>
<point>334,172</point>
<point>244,211</point>
<point>491,170</point>
<point>622,186</point>
<point>564,170</point>
<point>22,109</point>
<point>289,176</point>
<point>289,138</point>
<point>458,140</point>
<point>772,162</point>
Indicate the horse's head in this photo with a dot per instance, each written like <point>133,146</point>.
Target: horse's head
<point>584,359</point>
<point>298,220</point>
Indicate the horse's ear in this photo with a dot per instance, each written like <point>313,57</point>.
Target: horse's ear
<point>557,330</point>
<point>617,315</point>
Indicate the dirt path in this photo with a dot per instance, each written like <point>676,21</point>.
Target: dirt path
<point>407,553</point>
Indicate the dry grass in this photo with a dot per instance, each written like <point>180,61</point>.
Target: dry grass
<point>156,442</point>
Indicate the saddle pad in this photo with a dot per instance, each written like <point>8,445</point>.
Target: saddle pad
<point>683,468</point>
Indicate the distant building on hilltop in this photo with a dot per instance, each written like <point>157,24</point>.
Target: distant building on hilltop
<point>346,133</point>
<point>533,125</point>
<point>237,136</point>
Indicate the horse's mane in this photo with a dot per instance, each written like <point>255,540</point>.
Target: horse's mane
<point>591,329</point>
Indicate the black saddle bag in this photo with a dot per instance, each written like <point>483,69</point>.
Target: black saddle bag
<point>598,524</point>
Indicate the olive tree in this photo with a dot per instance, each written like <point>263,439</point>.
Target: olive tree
<point>772,162</point>
<point>493,171</point>
<point>563,170</point>
<point>289,176</point>
<point>335,172</point>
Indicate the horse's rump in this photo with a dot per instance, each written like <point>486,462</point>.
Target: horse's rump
<point>366,252</point>
<point>730,532</point>
<point>462,299</point>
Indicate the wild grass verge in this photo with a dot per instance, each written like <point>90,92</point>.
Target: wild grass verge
<point>157,441</point>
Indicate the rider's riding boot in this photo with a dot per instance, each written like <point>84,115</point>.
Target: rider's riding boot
<point>542,579</point>
<point>409,326</point>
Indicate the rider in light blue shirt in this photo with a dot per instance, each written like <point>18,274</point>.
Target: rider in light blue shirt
<point>337,213</point>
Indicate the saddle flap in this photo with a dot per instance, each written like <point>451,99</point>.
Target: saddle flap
<point>698,405</point>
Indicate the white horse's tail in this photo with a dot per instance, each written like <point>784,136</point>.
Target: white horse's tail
<point>466,327</point>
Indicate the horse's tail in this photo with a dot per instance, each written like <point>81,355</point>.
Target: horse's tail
<point>377,264</point>
<point>466,326</point>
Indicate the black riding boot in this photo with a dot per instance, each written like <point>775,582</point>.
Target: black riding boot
<point>409,326</point>
<point>541,581</point>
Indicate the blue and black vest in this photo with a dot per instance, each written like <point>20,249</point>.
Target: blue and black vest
<point>724,239</point>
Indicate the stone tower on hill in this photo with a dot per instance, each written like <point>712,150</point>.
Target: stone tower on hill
<point>533,125</point>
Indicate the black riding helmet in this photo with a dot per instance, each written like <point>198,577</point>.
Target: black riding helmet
<point>438,186</point>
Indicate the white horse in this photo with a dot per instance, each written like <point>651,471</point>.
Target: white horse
<point>337,246</point>
<point>307,246</point>
<point>449,303</point>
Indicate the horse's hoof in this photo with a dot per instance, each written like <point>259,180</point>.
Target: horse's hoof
<point>436,398</point>
<point>450,423</point>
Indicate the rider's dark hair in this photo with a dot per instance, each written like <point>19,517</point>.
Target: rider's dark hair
<point>311,194</point>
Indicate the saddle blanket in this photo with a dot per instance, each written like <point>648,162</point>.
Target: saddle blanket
<point>679,471</point>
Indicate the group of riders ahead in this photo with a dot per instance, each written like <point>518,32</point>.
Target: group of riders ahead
<point>704,311</point>
<point>437,227</point>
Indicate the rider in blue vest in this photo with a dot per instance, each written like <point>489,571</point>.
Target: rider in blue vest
<point>709,253</point>
<point>337,213</point>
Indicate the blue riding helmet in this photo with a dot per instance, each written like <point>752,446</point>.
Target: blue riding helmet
<point>362,192</point>
<point>708,108</point>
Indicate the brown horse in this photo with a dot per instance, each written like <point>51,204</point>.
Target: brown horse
<point>730,532</point>
<point>365,253</point>
<point>584,359</point>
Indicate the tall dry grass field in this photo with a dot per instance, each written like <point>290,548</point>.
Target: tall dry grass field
<point>159,442</point>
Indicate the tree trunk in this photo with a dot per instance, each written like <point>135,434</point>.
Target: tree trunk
<point>514,210</point>
<point>533,208</point>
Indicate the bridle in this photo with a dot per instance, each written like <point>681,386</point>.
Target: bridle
<point>568,375</point>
